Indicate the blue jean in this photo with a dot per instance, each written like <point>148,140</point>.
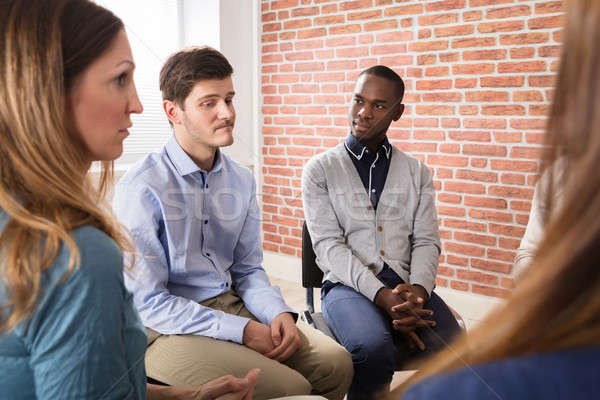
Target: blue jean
<point>366,332</point>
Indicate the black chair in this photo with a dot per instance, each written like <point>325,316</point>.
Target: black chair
<point>312,277</point>
<point>155,382</point>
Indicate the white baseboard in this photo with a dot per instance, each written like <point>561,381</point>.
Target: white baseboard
<point>469,305</point>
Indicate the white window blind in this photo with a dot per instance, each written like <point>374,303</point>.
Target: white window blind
<point>154,31</point>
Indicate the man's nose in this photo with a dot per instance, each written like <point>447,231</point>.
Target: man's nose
<point>225,110</point>
<point>365,112</point>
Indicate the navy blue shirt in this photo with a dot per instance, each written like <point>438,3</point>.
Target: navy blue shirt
<point>566,374</point>
<point>372,167</point>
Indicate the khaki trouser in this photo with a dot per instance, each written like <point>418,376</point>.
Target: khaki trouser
<point>320,366</point>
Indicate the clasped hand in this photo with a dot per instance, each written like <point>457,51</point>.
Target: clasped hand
<point>404,304</point>
<point>279,341</point>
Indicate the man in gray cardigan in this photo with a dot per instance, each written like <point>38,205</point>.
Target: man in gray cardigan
<point>371,214</point>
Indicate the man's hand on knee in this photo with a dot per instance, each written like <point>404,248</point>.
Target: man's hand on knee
<point>285,336</point>
<point>257,336</point>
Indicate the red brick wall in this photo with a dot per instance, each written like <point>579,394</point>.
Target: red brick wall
<point>479,76</point>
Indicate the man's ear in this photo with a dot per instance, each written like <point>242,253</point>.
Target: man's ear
<point>172,111</point>
<point>399,112</point>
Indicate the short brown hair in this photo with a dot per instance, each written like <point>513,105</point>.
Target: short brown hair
<point>189,66</point>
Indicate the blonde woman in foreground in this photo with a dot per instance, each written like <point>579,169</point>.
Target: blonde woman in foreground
<point>68,328</point>
<point>545,343</point>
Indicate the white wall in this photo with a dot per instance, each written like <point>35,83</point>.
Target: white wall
<point>230,26</point>
<point>237,33</point>
<point>201,19</point>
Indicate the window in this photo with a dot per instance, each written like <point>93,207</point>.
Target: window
<point>156,29</point>
<point>153,29</point>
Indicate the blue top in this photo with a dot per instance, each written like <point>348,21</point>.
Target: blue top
<point>372,168</point>
<point>567,374</point>
<point>85,339</point>
<point>197,235</point>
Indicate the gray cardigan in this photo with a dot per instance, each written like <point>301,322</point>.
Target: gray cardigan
<point>352,241</point>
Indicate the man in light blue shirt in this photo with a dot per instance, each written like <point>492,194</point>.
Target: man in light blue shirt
<point>197,281</point>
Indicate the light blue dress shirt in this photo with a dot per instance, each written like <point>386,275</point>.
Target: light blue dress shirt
<point>197,235</point>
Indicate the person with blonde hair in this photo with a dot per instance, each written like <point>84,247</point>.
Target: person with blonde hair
<point>68,327</point>
<point>545,341</point>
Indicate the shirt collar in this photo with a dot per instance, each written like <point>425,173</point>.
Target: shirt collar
<point>184,163</point>
<point>358,150</point>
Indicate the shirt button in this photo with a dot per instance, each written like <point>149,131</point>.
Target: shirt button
<point>369,207</point>
<point>205,221</point>
<point>379,228</point>
<point>382,252</point>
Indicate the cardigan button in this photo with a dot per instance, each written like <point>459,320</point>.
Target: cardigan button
<point>382,252</point>
<point>380,228</point>
<point>369,207</point>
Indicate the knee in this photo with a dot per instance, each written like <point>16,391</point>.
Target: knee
<point>285,384</point>
<point>374,365</point>
<point>298,386</point>
<point>336,363</point>
<point>333,373</point>
<point>376,352</point>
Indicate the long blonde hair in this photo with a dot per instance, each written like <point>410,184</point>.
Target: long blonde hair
<point>44,187</point>
<point>557,304</point>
